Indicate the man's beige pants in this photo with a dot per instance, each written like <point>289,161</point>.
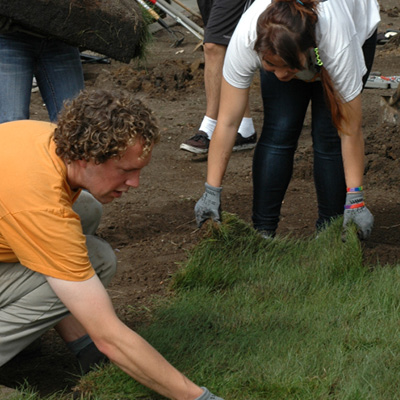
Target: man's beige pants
<point>28,306</point>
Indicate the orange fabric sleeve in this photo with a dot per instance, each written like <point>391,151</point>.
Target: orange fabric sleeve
<point>38,226</point>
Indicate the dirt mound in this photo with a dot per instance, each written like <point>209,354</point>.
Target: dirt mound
<point>115,28</point>
<point>383,156</point>
<point>169,79</point>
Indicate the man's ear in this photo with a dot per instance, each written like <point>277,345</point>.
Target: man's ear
<point>82,163</point>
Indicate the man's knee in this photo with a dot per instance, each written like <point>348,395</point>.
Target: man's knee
<point>102,258</point>
<point>90,211</point>
<point>214,51</point>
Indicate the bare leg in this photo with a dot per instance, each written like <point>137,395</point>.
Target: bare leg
<point>247,110</point>
<point>214,55</point>
<point>70,329</point>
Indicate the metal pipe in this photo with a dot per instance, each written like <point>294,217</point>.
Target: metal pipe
<point>190,26</point>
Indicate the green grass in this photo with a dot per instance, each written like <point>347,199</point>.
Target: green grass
<point>281,319</point>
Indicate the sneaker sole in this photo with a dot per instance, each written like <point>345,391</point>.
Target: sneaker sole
<point>247,146</point>
<point>193,149</point>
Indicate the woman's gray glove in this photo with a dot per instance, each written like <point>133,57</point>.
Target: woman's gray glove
<point>207,395</point>
<point>209,205</point>
<point>356,211</point>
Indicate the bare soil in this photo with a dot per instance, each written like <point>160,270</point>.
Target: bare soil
<point>153,227</point>
<point>93,24</point>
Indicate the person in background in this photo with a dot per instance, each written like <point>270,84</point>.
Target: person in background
<point>25,54</point>
<point>53,269</point>
<point>220,18</point>
<point>318,51</point>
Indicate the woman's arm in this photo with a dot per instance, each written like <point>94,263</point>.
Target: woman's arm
<point>353,162</point>
<point>231,109</point>
<point>353,143</point>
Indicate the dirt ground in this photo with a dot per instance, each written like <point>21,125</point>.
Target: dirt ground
<point>153,227</point>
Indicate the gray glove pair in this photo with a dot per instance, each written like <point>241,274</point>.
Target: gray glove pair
<point>207,395</point>
<point>356,211</point>
<point>209,205</point>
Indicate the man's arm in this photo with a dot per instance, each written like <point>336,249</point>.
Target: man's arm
<point>90,304</point>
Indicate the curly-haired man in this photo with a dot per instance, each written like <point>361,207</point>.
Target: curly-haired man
<point>53,269</point>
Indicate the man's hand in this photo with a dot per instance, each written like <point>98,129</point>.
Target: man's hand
<point>209,205</point>
<point>207,395</point>
<point>356,211</point>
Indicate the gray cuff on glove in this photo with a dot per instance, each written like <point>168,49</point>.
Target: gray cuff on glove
<point>213,191</point>
<point>207,395</point>
<point>209,205</point>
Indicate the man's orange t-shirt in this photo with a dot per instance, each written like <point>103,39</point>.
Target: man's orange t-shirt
<point>38,227</point>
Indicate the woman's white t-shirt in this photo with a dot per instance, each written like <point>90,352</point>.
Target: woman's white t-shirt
<point>342,28</point>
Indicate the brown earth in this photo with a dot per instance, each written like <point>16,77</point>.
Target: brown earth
<point>153,227</point>
<point>90,24</point>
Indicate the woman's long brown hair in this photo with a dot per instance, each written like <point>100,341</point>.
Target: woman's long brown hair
<point>287,29</point>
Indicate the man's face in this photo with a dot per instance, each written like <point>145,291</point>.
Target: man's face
<point>111,179</point>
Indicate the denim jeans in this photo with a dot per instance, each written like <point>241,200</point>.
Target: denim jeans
<point>285,106</point>
<point>56,66</point>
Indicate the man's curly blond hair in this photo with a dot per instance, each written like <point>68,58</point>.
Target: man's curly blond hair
<point>99,125</point>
